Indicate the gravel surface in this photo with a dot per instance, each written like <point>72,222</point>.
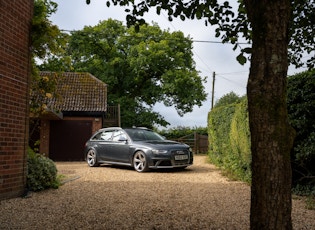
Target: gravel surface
<point>111,197</point>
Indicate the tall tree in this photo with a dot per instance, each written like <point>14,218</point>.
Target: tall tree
<point>272,136</point>
<point>273,27</point>
<point>46,41</point>
<point>140,69</point>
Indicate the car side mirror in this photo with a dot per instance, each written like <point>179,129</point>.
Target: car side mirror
<point>122,138</point>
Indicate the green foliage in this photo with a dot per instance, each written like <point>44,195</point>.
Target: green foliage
<point>227,99</point>
<point>304,190</point>
<point>231,25</point>
<point>43,33</point>
<point>219,123</point>
<point>240,140</point>
<point>239,134</point>
<point>181,131</point>
<point>302,34</point>
<point>46,42</point>
<point>140,68</point>
<point>307,191</point>
<point>310,202</point>
<point>229,137</point>
<point>41,173</point>
<point>301,109</point>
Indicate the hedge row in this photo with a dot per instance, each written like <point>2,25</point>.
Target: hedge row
<point>229,139</point>
<point>229,136</point>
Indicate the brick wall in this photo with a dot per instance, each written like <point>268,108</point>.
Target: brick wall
<point>15,21</point>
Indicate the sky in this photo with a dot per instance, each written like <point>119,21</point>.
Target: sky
<point>209,54</point>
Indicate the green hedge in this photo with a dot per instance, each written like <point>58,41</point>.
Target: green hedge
<point>301,110</point>
<point>229,135</point>
<point>219,123</point>
<point>240,143</point>
<point>229,139</point>
<point>181,131</point>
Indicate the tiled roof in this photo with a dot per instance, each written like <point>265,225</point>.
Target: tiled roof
<point>78,92</point>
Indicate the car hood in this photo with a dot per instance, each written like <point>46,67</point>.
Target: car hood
<point>162,144</point>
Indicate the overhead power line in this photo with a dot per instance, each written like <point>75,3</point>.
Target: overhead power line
<point>197,41</point>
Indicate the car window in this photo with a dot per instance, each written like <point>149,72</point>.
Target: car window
<point>152,136</point>
<point>118,134</point>
<point>143,135</point>
<point>104,135</point>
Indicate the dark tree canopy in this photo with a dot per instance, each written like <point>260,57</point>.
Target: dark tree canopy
<point>301,108</point>
<point>140,68</point>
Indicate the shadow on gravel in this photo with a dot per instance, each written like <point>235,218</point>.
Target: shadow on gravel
<point>189,169</point>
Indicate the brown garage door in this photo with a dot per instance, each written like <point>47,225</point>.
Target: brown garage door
<point>67,139</point>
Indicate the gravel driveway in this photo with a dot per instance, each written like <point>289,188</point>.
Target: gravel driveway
<point>110,197</point>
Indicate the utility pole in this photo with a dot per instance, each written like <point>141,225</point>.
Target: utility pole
<point>213,80</point>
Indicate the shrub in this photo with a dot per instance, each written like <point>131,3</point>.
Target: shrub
<point>41,172</point>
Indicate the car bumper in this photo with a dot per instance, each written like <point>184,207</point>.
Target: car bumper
<point>169,162</point>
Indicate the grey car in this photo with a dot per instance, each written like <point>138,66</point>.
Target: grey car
<point>140,148</point>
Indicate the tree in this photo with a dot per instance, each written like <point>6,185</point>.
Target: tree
<point>140,69</point>
<point>228,98</point>
<point>271,135</point>
<point>46,41</point>
<point>273,27</point>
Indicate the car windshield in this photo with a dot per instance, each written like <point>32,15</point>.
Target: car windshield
<point>143,135</point>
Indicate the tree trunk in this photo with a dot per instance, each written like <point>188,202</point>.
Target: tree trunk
<point>271,135</point>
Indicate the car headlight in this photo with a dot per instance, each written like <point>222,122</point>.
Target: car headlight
<point>158,151</point>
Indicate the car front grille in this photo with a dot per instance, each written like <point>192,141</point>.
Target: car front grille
<point>165,163</point>
<point>178,156</point>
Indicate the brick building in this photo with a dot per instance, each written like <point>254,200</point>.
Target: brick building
<point>78,109</point>
<point>15,24</point>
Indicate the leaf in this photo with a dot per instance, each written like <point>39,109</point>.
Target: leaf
<point>247,50</point>
<point>158,10</point>
<point>241,59</point>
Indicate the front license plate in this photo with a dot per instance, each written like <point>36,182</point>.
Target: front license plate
<point>181,157</point>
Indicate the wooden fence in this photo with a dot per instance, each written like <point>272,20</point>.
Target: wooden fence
<point>199,143</point>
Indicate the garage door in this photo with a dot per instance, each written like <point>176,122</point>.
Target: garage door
<point>67,139</point>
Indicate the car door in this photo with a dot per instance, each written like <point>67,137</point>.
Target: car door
<point>104,140</point>
<point>120,147</point>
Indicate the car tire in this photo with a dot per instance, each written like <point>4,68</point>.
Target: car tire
<point>140,162</point>
<point>91,158</point>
